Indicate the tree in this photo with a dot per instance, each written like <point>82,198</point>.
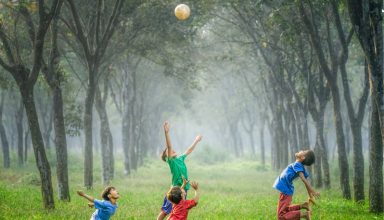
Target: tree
<point>367,21</point>
<point>94,40</point>
<point>329,69</point>
<point>26,76</point>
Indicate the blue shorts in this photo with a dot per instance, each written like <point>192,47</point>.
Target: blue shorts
<point>167,205</point>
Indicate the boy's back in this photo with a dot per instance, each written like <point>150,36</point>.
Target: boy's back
<point>180,211</point>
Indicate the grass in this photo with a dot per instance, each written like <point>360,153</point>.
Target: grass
<point>230,190</point>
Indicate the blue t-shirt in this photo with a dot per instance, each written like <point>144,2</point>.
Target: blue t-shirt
<point>284,182</point>
<point>104,210</point>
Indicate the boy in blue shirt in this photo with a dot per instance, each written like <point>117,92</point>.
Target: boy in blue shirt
<point>104,208</point>
<point>284,183</point>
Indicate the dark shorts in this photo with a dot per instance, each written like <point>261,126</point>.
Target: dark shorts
<point>167,205</point>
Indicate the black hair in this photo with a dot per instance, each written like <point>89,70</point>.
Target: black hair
<point>309,158</point>
<point>174,195</point>
<point>106,192</point>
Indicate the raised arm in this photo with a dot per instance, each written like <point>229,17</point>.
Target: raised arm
<point>167,139</point>
<point>82,194</point>
<point>184,182</point>
<point>195,186</point>
<point>310,190</point>
<point>193,145</point>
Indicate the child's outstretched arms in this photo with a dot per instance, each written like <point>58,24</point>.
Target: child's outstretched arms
<point>193,145</point>
<point>310,190</point>
<point>195,186</point>
<point>167,138</point>
<point>82,194</point>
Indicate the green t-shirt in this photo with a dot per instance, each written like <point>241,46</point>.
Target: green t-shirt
<point>178,169</point>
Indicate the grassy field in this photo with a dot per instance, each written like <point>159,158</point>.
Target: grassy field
<point>231,190</point>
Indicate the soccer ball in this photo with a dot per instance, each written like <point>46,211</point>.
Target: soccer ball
<point>182,12</point>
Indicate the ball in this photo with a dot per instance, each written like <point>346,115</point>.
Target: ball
<point>182,12</point>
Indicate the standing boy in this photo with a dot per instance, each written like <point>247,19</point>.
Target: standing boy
<point>284,183</point>
<point>177,167</point>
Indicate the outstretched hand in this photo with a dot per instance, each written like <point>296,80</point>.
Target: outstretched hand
<point>166,126</point>
<point>198,138</point>
<point>91,205</point>
<point>194,185</point>
<point>80,193</point>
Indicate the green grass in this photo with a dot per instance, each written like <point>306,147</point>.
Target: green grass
<point>231,190</point>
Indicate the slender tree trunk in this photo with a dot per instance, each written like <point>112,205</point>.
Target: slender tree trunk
<point>48,130</point>
<point>88,115</point>
<point>125,141</point>
<point>376,155</point>
<point>26,144</point>
<point>20,133</point>
<point>38,147</point>
<point>262,143</point>
<point>4,139</point>
<point>342,154</point>
<point>358,164</point>
<point>61,146</point>
<point>367,21</point>
<point>105,135</point>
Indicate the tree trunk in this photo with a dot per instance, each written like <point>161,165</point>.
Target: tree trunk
<point>367,21</point>
<point>48,129</point>
<point>61,146</point>
<point>125,141</point>
<point>4,140</point>
<point>27,140</point>
<point>20,133</point>
<point>88,149</point>
<point>38,147</point>
<point>105,135</point>
<point>262,144</point>
<point>342,154</point>
<point>358,164</point>
<point>375,154</point>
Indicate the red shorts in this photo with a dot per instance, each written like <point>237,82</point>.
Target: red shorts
<point>286,211</point>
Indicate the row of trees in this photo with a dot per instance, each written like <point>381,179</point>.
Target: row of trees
<point>305,46</point>
<point>290,60</point>
<point>87,44</point>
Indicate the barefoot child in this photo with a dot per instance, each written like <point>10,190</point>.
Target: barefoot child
<point>177,166</point>
<point>104,208</point>
<point>181,206</point>
<point>284,183</point>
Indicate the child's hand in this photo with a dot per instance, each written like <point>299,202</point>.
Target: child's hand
<point>91,205</point>
<point>184,182</point>
<point>198,138</point>
<point>195,185</point>
<point>166,126</point>
<point>80,193</point>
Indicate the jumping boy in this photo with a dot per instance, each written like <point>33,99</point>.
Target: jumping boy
<point>177,166</point>
<point>181,206</point>
<point>104,208</point>
<point>284,183</point>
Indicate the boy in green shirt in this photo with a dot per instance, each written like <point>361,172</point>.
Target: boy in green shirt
<point>177,167</point>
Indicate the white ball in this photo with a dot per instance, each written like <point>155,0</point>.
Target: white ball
<point>182,12</point>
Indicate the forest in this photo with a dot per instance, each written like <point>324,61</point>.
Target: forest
<point>88,88</point>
